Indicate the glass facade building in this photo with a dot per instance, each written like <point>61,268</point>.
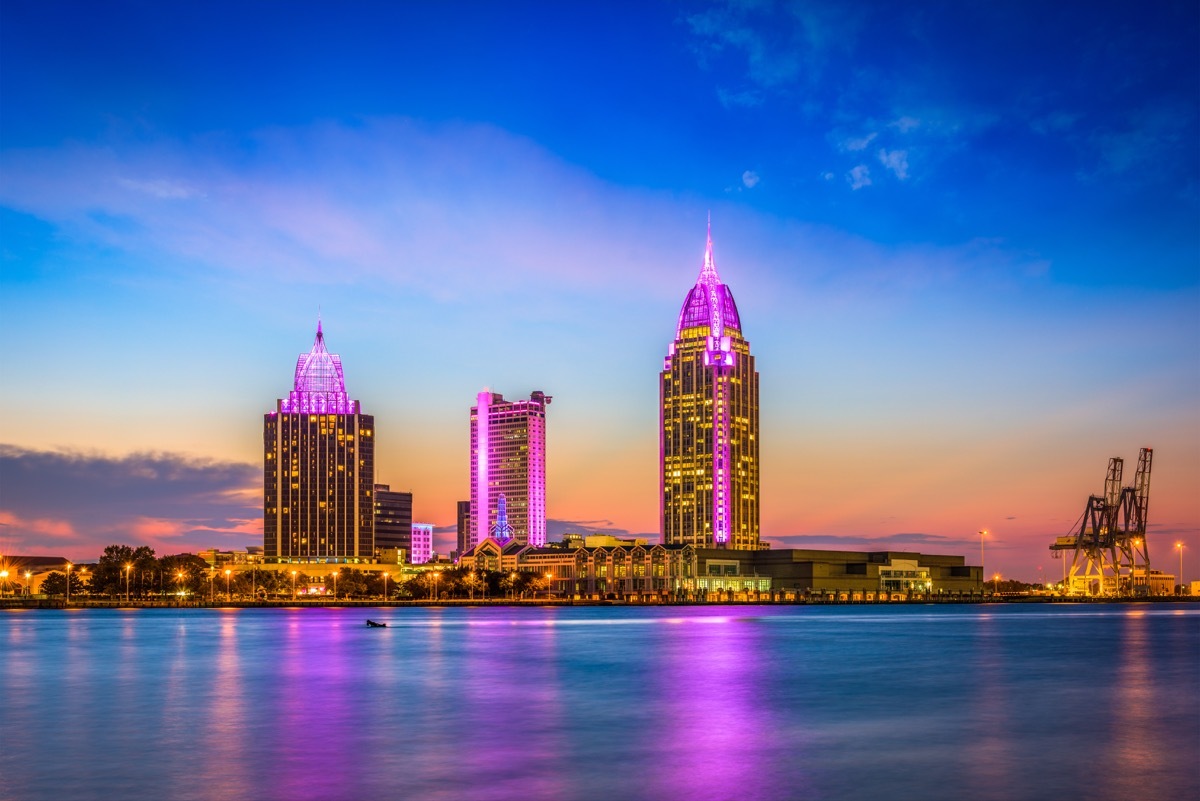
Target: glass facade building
<point>708,407</point>
<point>393,519</point>
<point>508,458</point>
<point>318,468</point>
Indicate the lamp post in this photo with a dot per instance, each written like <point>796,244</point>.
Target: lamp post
<point>128,570</point>
<point>996,584</point>
<point>179,578</point>
<point>384,573</point>
<point>212,574</point>
<point>228,593</point>
<point>982,534</point>
<point>1179,547</point>
<point>471,585</point>
<point>433,586</point>
<point>293,585</point>
<point>28,584</point>
<point>335,575</point>
<point>549,576</point>
<point>69,566</point>
<point>512,585</point>
<point>3,580</point>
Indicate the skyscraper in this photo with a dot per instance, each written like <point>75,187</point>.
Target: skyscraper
<point>708,445</point>
<point>508,457</point>
<point>319,468</point>
<point>393,519</point>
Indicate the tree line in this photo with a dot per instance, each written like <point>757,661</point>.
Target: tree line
<point>137,573</point>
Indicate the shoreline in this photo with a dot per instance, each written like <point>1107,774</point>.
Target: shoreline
<point>45,603</point>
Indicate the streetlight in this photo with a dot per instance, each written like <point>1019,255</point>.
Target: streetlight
<point>293,585</point>
<point>433,587</point>
<point>28,585</point>
<point>1179,547</point>
<point>212,574</point>
<point>69,566</point>
<point>470,584</point>
<point>996,584</point>
<point>384,573</point>
<point>228,594</point>
<point>548,577</point>
<point>179,576</point>
<point>128,570</point>
<point>3,580</point>
<point>512,585</point>
<point>982,534</point>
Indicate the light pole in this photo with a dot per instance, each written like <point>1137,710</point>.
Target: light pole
<point>384,573</point>
<point>512,585</point>
<point>179,576</point>
<point>335,575</point>
<point>128,570</point>
<point>982,534</point>
<point>228,593</point>
<point>212,574</point>
<point>3,580</point>
<point>433,586</point>
<point>28,584</point>
<point>1179,547</point>
<point>69,566</point>
<point>470,584</point>
<point>549,576</point>
<point>996,584</point>
<point>293,585</point>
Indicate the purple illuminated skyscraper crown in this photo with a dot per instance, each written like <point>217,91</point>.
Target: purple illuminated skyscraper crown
<point>710,303</point>
<point>320,387</point>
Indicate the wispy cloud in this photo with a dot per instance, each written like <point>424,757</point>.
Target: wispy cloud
<point>859,176</point>
<point>896,161</point>
<point>163,500</point>
<point>750,179</point>
<point>856,143</point>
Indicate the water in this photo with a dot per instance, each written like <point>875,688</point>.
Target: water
<point>946,702</point>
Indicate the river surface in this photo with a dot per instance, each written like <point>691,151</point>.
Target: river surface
<point>695,703</point>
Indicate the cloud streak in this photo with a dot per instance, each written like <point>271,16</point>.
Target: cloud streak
<point>164,500</point>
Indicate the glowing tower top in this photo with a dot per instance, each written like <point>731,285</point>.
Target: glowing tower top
<point>320,387</point>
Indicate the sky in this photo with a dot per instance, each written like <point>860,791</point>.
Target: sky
<point>963,238</point>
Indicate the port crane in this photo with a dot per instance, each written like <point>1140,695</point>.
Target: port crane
<point>1107,546</point>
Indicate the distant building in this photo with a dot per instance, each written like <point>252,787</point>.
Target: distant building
<point>508,457</point>
<point>319,468</point>
<point>708,407</point>
<point>393,519</point>
<point>638,571</point>
<point>464,527</point>
<point>422,543</point>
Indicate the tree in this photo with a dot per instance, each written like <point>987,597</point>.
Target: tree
<point>109,576</point>
<point>56,584</point>
<point>193,579</point>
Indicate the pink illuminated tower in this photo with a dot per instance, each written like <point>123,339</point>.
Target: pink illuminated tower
<point>708,442</point>
<point>508,466</point>
<point>318,468</point>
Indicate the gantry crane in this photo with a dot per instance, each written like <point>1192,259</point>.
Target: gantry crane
<point>1109,552</point>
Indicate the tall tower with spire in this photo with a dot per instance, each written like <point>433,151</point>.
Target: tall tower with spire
<point>318,468</point>
<point>708,392</point>
<point>508,468</point>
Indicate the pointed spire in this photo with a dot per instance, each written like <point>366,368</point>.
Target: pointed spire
<point>320,335</point>
<point>708,272</point>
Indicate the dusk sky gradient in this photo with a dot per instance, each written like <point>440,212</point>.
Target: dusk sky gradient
<point>963,238</point>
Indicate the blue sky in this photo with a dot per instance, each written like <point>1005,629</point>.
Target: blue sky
<point>963,237</point>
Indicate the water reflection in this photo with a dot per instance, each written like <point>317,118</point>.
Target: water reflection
<point>697,703</point>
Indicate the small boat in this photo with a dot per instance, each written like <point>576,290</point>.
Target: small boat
<point>373,625</point>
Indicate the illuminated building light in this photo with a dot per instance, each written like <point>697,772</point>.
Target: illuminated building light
<point>708,468</point>
<point>318,506</point>
<point>508,457</point>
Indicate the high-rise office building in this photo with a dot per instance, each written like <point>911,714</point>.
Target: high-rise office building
<point>393,519</point>
<point>708,392</point>
<point>508,457</point>
<point>464,527</point>
<point>319,468</point>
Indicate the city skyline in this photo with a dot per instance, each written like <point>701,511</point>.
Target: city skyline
<point>966,239</point>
